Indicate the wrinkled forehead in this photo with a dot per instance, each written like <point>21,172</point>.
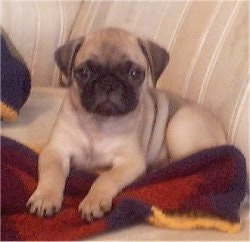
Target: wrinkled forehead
<point>110,48</point>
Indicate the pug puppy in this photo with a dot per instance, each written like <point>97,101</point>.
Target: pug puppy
<point>114,118</point>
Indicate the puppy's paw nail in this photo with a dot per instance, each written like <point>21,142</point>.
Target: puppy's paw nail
<point>94,207</point>
<point>44,203</point>
<point>28,205</point>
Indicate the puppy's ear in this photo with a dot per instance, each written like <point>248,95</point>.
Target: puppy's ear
<point>157,58</point>
<point>65,58</point>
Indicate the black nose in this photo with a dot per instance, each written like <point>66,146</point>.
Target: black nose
<point>108,86</point>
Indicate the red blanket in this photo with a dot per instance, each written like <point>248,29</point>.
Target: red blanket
<point>202,191</point>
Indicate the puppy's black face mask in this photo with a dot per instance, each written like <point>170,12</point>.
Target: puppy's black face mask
<point>109,90</point>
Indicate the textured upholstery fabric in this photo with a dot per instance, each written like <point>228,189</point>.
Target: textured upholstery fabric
<point>36,28</point>
<point>208,45</point>
<point>207,41</point>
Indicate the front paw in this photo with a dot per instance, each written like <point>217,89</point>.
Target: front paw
<point>95,205</point>
<point>45,202</point>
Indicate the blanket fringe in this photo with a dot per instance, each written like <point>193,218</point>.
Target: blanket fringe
<point>191,221</point>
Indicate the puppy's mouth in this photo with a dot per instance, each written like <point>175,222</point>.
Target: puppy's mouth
<point>107,108</point>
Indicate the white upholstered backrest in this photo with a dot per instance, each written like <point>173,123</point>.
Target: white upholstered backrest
<point>37,28</point>
<point>208,45</point>
<point>207,41</point>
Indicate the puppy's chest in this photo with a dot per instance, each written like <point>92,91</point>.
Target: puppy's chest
<point>94,152</point>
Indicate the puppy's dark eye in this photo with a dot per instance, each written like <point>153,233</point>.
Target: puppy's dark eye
<point>83,72</point>
<point>136,74</point>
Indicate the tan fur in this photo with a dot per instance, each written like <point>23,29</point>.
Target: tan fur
<point>192,129</point>
<point>161,126</point>
<point>113,49</point>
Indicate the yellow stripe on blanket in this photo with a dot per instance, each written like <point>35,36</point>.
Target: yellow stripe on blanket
<point>7,113</point>
<point>191,221</point>
<point>37,149</point>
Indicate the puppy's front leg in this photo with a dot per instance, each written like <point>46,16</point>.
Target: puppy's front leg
<point>99,199</point>
<point>53,171</point>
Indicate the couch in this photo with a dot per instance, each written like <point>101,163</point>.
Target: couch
<point>209,64</point>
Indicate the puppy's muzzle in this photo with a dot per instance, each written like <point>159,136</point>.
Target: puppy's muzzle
<point>108,96</point>
<point>108,87</point>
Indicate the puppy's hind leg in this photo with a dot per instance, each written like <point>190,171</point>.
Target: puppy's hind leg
<point>192,129</point>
